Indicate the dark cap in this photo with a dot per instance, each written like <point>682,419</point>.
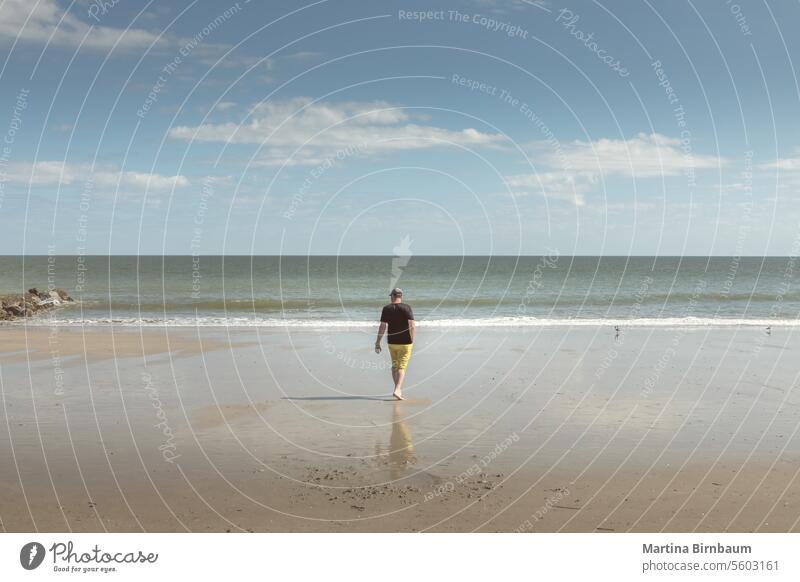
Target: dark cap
<point>396,292</point>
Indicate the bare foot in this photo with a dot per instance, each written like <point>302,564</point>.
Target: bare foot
<point>398,396</point>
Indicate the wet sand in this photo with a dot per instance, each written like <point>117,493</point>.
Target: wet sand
<point>538,429</point>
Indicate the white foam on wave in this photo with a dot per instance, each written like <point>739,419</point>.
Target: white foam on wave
<point>509,322</point>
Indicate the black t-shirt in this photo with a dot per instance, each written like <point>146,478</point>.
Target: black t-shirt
<point>396,316</point>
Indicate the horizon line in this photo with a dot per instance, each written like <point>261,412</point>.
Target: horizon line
<point>420,255</point>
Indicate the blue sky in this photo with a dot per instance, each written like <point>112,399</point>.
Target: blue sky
<point>339,127</point>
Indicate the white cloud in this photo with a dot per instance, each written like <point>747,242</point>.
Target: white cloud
<point>787,164</point>
<point>44,21</point>
<point>286,125</point>
<point>645,155</point>
<point>781,176</point>
<point>53,173</point>
<point>566,186</point>
<point>576,166</point>
<point>47,22</point>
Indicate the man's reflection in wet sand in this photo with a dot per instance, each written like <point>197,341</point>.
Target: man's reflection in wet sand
<point>401,449</point>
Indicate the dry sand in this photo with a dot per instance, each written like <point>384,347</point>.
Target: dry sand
<point>534,429</point>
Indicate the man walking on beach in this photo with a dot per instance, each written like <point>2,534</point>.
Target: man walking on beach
<point>399,319</point>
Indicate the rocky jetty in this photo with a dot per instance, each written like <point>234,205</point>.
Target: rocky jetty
<point>18,305</point>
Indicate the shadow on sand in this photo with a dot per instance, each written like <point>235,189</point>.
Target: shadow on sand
<point>304,398</point>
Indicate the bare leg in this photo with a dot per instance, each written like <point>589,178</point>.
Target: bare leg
<point>398,376</point>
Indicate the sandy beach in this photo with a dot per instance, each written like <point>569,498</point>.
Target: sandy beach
<point>517,429</point>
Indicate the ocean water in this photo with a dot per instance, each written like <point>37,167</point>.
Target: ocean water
<point>443,291</point>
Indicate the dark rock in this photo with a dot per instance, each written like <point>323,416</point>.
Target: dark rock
<point>15,310</point>
<point>36,293</point>
<point>63,294</point>
<point>28,304</point>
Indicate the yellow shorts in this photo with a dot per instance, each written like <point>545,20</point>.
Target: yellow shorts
<point>400,354</point>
